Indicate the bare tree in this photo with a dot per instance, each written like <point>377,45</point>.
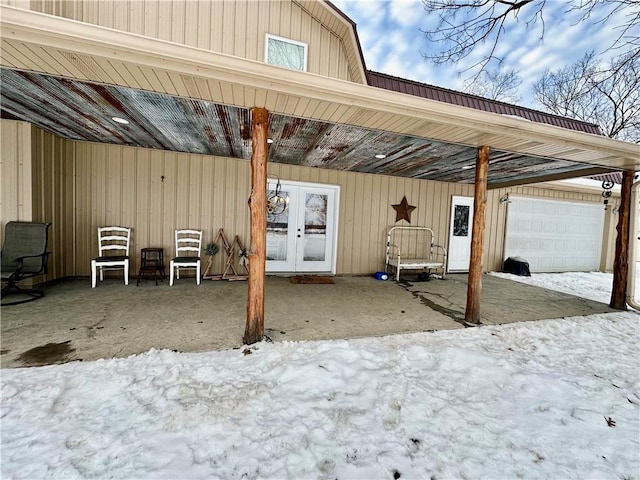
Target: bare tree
<point>607,95</point>
<point>465,24</point>
<point>497,85</point>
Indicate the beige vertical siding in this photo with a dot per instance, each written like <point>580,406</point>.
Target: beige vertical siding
<point>155,193</point>
<point>79,186</point>
<point>366,212</point>
<point>15,171</point>
<point>233,27</point>
<point>54,198</point>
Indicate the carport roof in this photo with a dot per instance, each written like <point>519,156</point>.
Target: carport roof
<point>71,78</point>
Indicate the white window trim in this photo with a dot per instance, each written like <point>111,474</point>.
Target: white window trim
<point>305,48</point>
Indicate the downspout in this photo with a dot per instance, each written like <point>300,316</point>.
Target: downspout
<point>633,247</point>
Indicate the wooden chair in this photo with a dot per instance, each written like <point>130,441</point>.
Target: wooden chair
<point>151,264</point>
<point>188,247</point>
<point>24,255</point>
<point>113,252</point>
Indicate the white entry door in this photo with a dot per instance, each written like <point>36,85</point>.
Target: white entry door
<point>460,234</point>
<point>302,235</point>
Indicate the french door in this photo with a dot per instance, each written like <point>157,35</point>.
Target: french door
<point>302,228</point>
<point>460,234</point>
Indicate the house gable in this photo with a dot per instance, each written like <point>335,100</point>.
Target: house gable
<point>237,28</point>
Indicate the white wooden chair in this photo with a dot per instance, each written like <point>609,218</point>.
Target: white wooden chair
<point>113,252</point>
<point>188,247</point>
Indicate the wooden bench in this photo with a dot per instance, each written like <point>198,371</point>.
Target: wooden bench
<point>413,248</point>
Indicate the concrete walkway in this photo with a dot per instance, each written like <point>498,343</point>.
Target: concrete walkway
<point>75,322</point>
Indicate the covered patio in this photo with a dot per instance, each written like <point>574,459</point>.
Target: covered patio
<point>74,322</point>
<point>241,104</point>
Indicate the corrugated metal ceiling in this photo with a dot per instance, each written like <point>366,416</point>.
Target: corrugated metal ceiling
<point>83,111</point>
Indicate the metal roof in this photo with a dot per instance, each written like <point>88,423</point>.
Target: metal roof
<point>615,177</point>
<point>410,87</point>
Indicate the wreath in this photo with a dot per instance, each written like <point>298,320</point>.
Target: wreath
<point>211,249</point>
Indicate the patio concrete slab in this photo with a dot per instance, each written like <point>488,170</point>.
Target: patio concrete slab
<point>75,322</point>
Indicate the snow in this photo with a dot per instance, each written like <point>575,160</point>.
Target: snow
<point>546,399</point>
<point>592,285</point>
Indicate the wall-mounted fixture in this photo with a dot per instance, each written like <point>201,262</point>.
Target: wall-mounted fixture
<point>504,199</point>
<point>277,203</point>
<point>607,185</point>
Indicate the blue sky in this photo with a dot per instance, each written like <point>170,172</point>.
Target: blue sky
<point>392,42</point>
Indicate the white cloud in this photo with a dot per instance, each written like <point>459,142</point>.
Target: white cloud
<point>361,9</point>
<point>394,65</point>
<point>392,41</point>
<point>407,13</point>
<point>533,57</point>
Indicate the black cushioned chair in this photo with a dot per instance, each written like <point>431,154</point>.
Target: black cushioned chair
<point>24,255</point>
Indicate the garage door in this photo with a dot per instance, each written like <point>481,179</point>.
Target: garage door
<point>555,236</point>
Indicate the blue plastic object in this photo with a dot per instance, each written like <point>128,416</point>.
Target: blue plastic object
<point>381,276</point>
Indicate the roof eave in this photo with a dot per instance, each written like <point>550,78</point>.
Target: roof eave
<point>255,84</point>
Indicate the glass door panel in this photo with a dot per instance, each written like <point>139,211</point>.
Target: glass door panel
<point>317,217</point>
<point>301,238</point>
<point>280,238</point>
<point>315,228</point>
<point>460,234</point>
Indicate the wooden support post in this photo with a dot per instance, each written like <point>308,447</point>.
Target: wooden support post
<point>254,330</point>
<point>474,287</point>
<point>621,261</point>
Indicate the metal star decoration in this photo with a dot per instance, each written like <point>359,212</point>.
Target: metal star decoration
<point>403,210</point>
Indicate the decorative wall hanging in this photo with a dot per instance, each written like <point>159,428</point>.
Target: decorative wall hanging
<point>403,210</point>
<point>230,250</point>
<point>607,185</point>
<point>277,203</point>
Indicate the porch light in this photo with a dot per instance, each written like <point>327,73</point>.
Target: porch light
<point>381,156</point>
<point>120,120</point>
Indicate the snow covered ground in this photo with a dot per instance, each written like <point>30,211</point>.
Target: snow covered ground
<point>546,399</point>
<point>592,285</point>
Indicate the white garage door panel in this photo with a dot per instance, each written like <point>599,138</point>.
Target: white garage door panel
<point>555,236</point>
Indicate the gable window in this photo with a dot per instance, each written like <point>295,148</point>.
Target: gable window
<point>285,53</point>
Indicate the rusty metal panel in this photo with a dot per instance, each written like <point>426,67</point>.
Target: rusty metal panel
<point>84,111</point>
<point>295,139</point>
<point>80,110</point>
<point>615,177</point>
